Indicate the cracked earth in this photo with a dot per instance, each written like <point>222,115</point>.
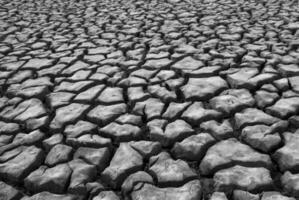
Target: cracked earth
<point>149,100</point>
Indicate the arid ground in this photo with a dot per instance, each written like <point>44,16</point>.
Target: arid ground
<point>149,100</point>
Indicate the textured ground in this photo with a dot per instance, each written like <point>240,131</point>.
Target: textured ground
<point>149,100</point>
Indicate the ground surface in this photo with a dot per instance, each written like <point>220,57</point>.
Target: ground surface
<point>188,100</point>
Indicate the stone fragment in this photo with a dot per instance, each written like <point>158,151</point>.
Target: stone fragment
<point>95,156</point>
<point>104,114</point>
<point>124,162</point>
<point>290,183</point>
<point>9,154</point>
<point>232,100</point>
<point>193,147</point>
<point>134,179</point>
<point>288,69</point>
<point>94,58</point>
<point>196,113</point>
<point>52,141</point>
<point>80,75</point>
<point>293,25</point>
<point>231,152</point>
<point>175,84</point>
<point>294,83</point>
<point>203,88</point>
<point>157,63</point>
<point>21,164</point>
<point>9,128</point>
<point>50,196</point>
<point>282,84</point>
<point>75,67</point>
<point>162,93</point>
<point>49,179</point>
<point>163,75</point>
<point>76,87</point>
<point>129,119</point>
<point>58,154</point>
<point>51,71</point>
<point>240,78</point>
<point>137,94</point>
<point>244,178</point>
<point>111,95</point>
<point>170,172</point>
<point>287,156</point>
<point>264,98</point>
<point>5,139</point>
<point>289,94</point>
<point>37,123</point>
<point>175,109</point>
<point>89,140</point>
<point>31,108</point>
<point>205,71</point>
<point>28,139</point>
<point>37,63</point>
<point>294,121</point>
<point>219,130</point>
<point>144,73</point>
<point>20,76</point>
<point>275,196</point>
<point>68,114</point>
<point>146,148</point>
<point>31,88</point>
<point>12,66</point>
<point>79,128</point>
<point>89,94</point>
<point>284,107</point>
<point>249,78</point>
<point>121,132</point>
<point>253,116</point>
<point>22,139</point>
<point>156,126</point>
<point>188,64</point>
<point>108,69</point>
<point>95,188</point>
<point>106,195</point>
<point>174,131</point>
<point>190,191</point>
<point>82,173</point>
<point>218,196</point>
<point>262,137</point>
<point>151,107</point>
<point>56,99</point>
<point>244,195</point>
<point>8,192</point>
